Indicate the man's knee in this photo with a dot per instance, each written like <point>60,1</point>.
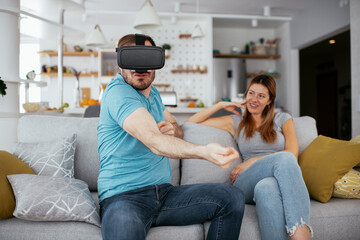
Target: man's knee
<point>122,223</point>
<point>232,197</point>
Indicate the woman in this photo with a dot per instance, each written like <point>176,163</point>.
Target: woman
<point>269,174</point>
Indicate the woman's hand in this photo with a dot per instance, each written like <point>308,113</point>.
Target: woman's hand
<point>236,171</point>
<point>231,106</point>
<point>241,167</point>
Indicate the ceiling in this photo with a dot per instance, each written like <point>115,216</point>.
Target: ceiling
<point>90,12</point>
<point>83,8</point>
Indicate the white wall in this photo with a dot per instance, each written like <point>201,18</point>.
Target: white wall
<point>355,63</point>
<point>324,17</point>
<point>9,71</point>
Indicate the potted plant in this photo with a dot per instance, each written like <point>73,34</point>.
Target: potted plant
<point>2,87</point>
<point>167,48</point>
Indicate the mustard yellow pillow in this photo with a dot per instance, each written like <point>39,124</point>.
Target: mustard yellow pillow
<point>325,161</point>
<point>9,164</point>
<point>356,139</point>
<point>348,186</point>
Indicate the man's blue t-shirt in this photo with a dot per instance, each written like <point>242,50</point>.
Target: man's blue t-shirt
<point>125,162</point>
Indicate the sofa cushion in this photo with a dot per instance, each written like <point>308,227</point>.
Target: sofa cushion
<point>306,131</point>
<point>44,198</point>
<point>9,164</point>
<point>15,229</point>
<point>34,128</point>
<point>52,158</point>
<point>337,219</point>
<point>189,232</point>
<point>199,170</point>
<point>325,161</point>
<point>175,171</point>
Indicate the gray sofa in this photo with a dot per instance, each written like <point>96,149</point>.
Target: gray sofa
<point>337,219</point>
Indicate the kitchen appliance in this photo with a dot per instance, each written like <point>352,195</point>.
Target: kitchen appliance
<point>229,78</point>
<point>169,99</point>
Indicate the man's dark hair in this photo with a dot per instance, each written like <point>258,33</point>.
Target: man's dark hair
<point>130,39</point>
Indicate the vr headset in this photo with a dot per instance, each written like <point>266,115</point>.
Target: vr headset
<point>140,58</point>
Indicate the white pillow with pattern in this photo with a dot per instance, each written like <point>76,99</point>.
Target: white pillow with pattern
<point>53,158</point>
<point>44,198</point>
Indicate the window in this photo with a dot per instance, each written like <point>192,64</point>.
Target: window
<point>29,60</point>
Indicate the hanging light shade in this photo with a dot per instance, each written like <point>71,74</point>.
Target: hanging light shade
<point>147,17</point>
<point>197,32</point>
<point>96,38</point>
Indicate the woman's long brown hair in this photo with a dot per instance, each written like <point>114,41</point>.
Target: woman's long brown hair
<point>266,129</point>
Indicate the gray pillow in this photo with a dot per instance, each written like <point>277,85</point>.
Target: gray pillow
<point>202,171</point>
<point>306,131</point>
<point>45,198</point>
<point>53,158</point>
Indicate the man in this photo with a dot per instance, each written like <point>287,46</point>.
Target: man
<point>136,136</point>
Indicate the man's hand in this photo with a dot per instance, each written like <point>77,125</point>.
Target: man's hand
<point>221,156</point>
<point>166,128</point>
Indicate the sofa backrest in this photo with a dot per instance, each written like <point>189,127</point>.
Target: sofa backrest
<point>35,128</point>
<point>195,171</point>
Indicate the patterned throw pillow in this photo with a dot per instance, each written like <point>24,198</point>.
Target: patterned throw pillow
<point>348,186</point>
<point>9,164</point>
<point>54,158</point>
<point>44,198</point>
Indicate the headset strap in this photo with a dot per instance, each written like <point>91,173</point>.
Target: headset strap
<point>139,39</point>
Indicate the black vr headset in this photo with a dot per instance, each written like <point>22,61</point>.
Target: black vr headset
<point>140,58</point>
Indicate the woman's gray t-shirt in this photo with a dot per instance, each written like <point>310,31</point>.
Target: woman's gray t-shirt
<point>255,146</point>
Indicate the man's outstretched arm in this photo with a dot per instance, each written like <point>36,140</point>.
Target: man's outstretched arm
<point>141,125</point>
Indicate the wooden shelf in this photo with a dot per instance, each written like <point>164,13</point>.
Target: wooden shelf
<point>165,85</point>
<point>251,75</point>
<point>71,54</point>
<point>185,35</point>
<point>188,99</point>
<point>249,56</point>
<point>188,71</point>
<point>55,74</point>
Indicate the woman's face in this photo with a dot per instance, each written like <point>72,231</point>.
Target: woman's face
<point>258,98</point>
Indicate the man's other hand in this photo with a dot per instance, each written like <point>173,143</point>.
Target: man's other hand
<point>221,156</point>
<point>166,128</point>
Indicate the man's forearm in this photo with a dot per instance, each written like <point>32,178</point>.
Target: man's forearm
<point>175,147</point>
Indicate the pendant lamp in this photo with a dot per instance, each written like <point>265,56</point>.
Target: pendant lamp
<point>147,17</point>
<point>96,38</point>
<point>197,32</point>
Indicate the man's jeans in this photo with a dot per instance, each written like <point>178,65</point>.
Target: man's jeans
<point>275,183</point>
<point>130,215</point>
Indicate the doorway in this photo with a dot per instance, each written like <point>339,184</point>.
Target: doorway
<point>325,85</point>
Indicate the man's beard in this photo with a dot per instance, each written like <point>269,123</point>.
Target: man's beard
<point>141,83</point>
